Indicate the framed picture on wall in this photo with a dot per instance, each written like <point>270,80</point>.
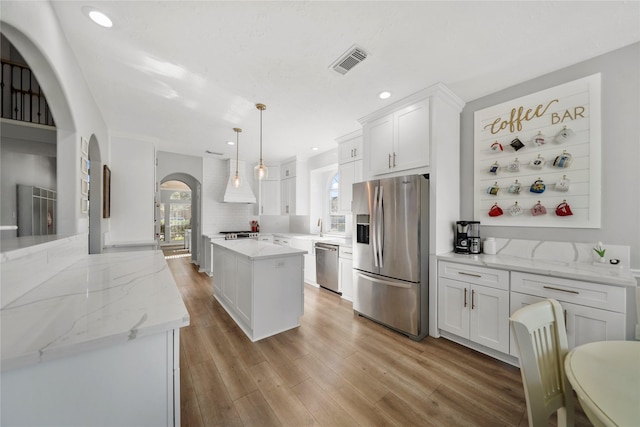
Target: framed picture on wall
<point>84,146</point>
<point>106,192</point>
<point>84,166</point>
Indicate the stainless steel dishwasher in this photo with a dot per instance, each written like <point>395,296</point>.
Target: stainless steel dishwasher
<point>327,266</point>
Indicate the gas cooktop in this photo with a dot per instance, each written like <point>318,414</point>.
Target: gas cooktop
<point>244,234</point>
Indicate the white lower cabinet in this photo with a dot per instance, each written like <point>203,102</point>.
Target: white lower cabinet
<point>309,258</point>
<point>345,272</point>
<point>473,303</point>
<point>131,383</point>
<point>592,311</point>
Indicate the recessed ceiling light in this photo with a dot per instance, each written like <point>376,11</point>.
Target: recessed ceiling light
<point>314,148</point>
<point>231,143</point>
<point>384,94</point>
<point>100,18</point>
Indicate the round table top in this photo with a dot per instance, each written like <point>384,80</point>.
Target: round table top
<point>606,377</point>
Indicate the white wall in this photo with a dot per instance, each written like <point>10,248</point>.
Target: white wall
<point>132,191</point>
<point>620,151</point>
<point>33,29</point>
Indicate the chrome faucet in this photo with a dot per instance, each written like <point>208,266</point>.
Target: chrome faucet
<point>320,225</point>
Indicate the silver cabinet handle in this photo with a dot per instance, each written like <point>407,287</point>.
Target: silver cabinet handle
<point>389,160</point>
<point>355,152</point>
<point>469,274</point>
<point>394,159</point>
<point>569,291</point>
<point>465,297</point>
<point>473,293</point>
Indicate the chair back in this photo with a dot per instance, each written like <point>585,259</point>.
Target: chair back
<point>541,338</point>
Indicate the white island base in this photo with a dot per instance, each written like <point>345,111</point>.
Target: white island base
<point>260,285</point>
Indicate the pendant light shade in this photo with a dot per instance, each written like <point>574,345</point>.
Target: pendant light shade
<point>236,179</point>
<point>261,171</point>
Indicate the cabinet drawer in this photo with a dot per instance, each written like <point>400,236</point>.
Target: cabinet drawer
<point>346,252</point>
<point>476,275</point>
<point>595,295</point>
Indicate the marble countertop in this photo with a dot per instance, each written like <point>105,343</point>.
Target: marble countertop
<point>335,240</point>
<point>99,300</point>
<point>254,249</point>
<point>605,273</point>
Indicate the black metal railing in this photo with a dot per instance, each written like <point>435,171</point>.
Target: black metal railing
<point>22,97</point>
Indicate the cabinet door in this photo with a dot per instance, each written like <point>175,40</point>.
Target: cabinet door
<point>411,127</point>
<point>489,317</point>
<point>347,173</point>
<point>270,198</point>
<point>217,270</point>
<point>310,268</point>
<point>379,137</point>
<point>518,301</point>
<point>285,196</point>
<point>583,324</point>
<point>586,324</point>
<point>244,302</point>
<point>345,268</point>
<point>288,170</point>
<point>350,150</point>
<point>229,277</point>
<point>453,307</point>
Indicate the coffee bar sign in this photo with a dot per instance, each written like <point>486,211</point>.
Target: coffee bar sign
<point>537,158</point>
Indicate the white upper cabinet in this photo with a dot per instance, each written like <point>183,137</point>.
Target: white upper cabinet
<point>270,197</point>
<point>350,147</point>
<point>288,169</point>
<point>399,141</point>
<point>350,167</point>
<point>294,187</point>
<point>401,137</point>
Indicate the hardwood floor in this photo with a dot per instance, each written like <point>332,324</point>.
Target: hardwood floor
<point>336,369</point>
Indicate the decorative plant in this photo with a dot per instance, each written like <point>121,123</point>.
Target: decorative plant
<point>600,250</point>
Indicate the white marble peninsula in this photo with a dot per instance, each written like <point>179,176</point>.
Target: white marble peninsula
<point>94,344</point>
<point>260,285</point>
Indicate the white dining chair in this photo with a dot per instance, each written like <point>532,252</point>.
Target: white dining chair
<point>541,339</point>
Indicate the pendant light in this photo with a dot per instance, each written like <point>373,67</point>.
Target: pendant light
<point>260,171</point>
<point>236,179</point>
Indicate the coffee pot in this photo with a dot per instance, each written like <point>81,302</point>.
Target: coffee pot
<point>467,237</point>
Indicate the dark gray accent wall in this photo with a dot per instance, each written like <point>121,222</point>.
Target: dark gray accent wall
<point>620,93</point>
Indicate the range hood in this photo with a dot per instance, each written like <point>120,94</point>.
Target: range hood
<point>242,194</point>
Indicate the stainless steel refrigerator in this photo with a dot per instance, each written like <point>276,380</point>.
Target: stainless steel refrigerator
<point>391,252</point>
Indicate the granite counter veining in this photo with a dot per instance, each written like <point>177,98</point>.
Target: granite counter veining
<point>97,301</point>
<point>605,273</point>
<point>254,249</point>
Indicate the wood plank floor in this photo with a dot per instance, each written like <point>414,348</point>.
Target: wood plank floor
<point>336,369</point>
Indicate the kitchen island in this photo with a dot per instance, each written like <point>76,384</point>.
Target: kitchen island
<point>260,285</point>
<point>97,343</point>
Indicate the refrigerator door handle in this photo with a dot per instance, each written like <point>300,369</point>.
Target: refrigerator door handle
<point>374,225</point>
<point>380,227</point>
<point>384,282</point>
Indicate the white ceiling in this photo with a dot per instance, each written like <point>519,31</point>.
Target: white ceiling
<point>187,73</point>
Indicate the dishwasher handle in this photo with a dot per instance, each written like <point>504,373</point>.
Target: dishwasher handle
<point>322,247</point>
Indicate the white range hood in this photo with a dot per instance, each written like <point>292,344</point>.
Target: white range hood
<point>242,194</point>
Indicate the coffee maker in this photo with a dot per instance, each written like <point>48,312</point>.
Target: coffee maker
<point>467,237</point>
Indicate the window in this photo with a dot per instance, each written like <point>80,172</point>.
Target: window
<point>336,221</point>
<point>174,212</point>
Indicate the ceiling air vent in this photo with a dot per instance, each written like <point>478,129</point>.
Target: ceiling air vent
<point>350,59</point>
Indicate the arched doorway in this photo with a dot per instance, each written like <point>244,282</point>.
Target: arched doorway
<point>195,209</point>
